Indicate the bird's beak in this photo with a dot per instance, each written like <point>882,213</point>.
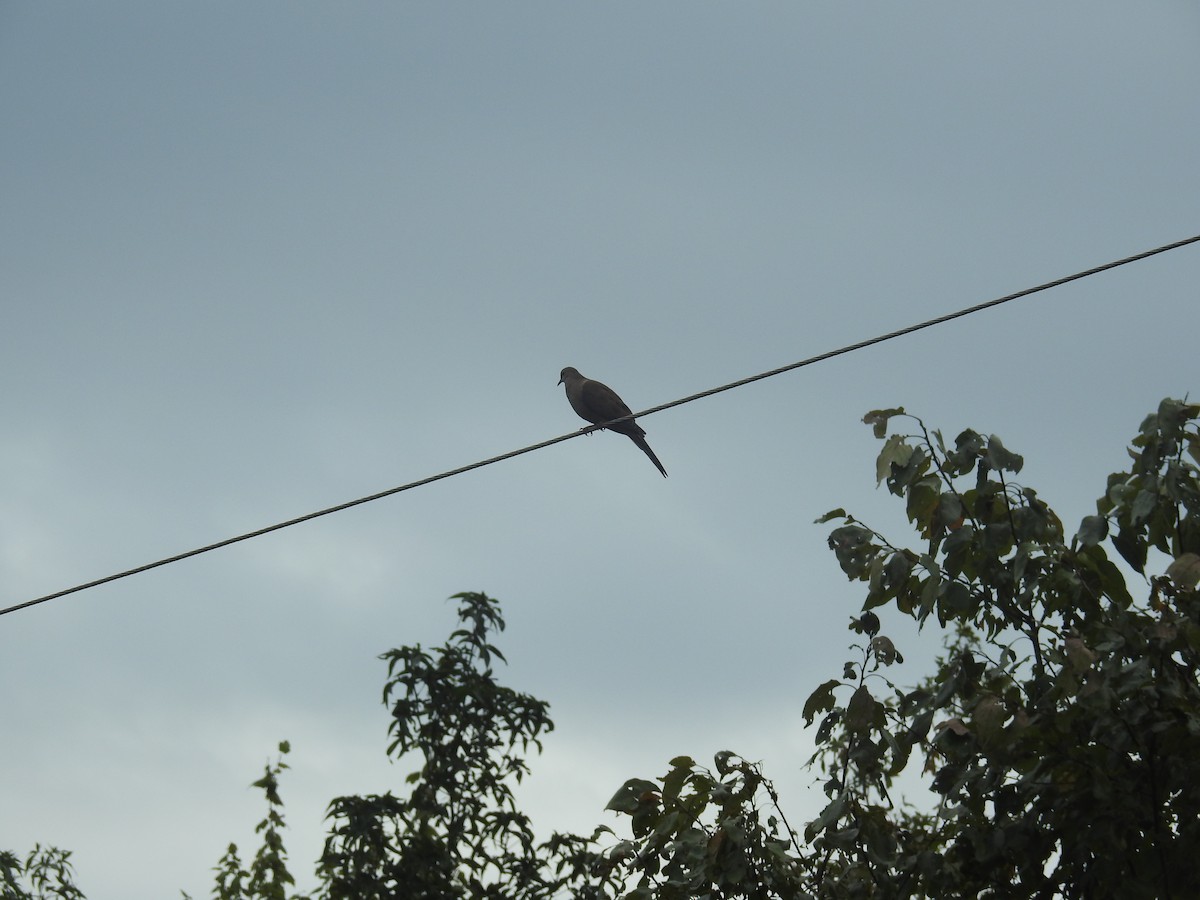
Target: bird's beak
<point>560,381</point>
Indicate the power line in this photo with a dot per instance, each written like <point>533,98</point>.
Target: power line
<point>928,323</point>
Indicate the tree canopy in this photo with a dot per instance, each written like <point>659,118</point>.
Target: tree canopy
<point>1059,728</point>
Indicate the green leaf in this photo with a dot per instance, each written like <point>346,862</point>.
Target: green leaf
<point>895,454</point>
<point>674,780</point>
<point>820,700</point>
<point>628,796</point>
<point>1143,506</point>
<point>724,760</point>
<point>988,718</point>
<point>957,602</point>
<point>885,651</point>
<point>867,623</point>
<point>825,729</point>
<point>854,549</point>
<point>1132,547</point>
<point>1092,530</point>
<point>899,567</point>
<point>930,589</point>
<point>922,501</point>
<point>949,510</point>
<point>829,816</point>
<point>878,419</point>
<point>913,472</point>
<point>967,448</point>
<point>1185,570</point>
<point>1002,459</point>
<point>863,712</point>
<point>920,725</point>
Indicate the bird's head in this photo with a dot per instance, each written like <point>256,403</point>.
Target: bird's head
<point>568,373</point>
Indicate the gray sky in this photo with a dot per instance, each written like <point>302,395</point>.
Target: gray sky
<point>259,259</point>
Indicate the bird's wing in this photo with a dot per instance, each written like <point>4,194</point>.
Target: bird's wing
<point>602,402</point>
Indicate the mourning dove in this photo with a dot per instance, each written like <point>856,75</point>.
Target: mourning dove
<point>598,403</point>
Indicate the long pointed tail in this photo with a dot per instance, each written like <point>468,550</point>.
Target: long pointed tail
<point>641,442</point>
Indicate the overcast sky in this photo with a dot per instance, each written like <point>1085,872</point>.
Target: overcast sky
<point>260,258</point>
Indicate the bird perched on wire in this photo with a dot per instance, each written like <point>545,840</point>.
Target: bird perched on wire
<point>599,404</point>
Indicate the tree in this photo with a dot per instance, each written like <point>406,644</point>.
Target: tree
<point>459,832</point>
<point>1060,728</point>
<point>268,876</point>
<point>46,870</point>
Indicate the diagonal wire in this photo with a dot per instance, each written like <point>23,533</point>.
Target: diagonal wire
<point>928,323</point>
<point>849,348</point>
